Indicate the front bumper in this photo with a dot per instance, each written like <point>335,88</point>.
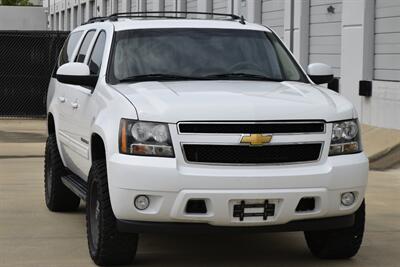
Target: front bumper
<point>170,185</point>
<point>201,228</point>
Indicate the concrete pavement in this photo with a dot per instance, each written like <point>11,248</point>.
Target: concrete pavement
<point>382,146</point>
<point>32,236</point>
<point>22,138</point>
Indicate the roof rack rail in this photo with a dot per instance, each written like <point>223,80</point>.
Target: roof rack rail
<point>96,19</point>
<point>162,14</point>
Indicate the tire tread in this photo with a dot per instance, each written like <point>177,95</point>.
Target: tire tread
<point>339,243</point>
<point>113,248</point>
<point>60,198</point>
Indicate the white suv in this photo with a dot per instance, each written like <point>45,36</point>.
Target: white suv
<point>200,125</point>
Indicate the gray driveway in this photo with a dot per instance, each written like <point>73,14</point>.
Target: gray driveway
<point>30,235</point>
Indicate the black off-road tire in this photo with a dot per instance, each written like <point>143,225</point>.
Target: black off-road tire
<point>107,246</point>
<point>339,243</point>
<point>57,196</point>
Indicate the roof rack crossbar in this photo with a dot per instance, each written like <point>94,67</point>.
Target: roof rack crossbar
<point>176,13</point>
<point>162,14</point>
<point>153,16</point>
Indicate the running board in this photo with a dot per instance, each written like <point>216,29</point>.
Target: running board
<point>76,185</point>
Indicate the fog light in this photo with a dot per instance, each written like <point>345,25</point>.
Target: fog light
<point>142,202</point>
<point>348,199</point>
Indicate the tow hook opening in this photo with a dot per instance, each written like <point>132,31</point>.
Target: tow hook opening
<point>306,204</point>
<point>196,206</point>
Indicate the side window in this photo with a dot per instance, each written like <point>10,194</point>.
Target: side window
<point>69,47</point>
<point>97,54</point>
<point>85,46</point>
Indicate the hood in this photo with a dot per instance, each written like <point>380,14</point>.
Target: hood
<point>234,101</point>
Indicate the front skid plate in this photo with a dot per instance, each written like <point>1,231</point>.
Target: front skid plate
<point>301,225</point>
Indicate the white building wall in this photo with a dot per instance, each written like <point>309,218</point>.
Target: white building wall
<point>149,5</point>
<point>272,15</point>
<point>92,10</point>
<point>169,5</point>
<point>192,5</point>
<point>387,40</point>
<point>22,18</point>
<point>383,107</point>
<point>119,7</point>
<point>220,6</point>
<point>134,6</point>
<point>325,33</point>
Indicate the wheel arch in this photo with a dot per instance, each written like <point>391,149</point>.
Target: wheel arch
<point>97,147</point>
<point>51,126</point>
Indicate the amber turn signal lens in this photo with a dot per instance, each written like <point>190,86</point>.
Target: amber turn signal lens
<point>124,147</point>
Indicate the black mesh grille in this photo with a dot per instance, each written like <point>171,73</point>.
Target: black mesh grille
<point>243,128</point>
<point>239,154</point>
<point>27,59</point>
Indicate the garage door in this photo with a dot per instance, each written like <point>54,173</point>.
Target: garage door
<point>387,40</point>
<point>325,33</point>
<point>272,15</point>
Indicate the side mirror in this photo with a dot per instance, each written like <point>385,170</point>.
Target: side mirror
<point>76,74</point>
<point>320,73</point>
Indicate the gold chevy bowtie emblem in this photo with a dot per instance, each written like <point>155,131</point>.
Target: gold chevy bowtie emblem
<point>256,139</point>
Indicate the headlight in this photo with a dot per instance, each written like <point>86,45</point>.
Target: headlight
<point>145,139</point>
<point>345,138</point>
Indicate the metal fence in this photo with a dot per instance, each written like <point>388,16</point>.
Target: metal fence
<point>27,59</point>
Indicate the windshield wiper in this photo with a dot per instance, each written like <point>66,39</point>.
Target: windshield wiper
<point>242,76</point>
<point>159,77</point>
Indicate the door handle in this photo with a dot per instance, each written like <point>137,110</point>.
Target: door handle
<point>74,105</point>
<point>61,99</point>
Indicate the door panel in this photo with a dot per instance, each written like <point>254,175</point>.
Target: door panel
<point>82,110</point>
<point>75,152</point>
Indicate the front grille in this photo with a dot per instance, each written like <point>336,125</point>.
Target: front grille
<point>247,128</point>
<point>241,154</point>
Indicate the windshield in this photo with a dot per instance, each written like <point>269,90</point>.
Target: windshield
<point>178,54</point>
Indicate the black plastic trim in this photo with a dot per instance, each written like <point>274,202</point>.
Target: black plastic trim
<point>320,79</point>
<point>365,88</point>
<point>201,228</point>
<point>77,185</point>
<point>334,85</point>
<point>252,127</point>
<point>87,80</point>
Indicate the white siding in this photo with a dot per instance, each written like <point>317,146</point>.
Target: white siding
<point>75,18</point>
<point>56,22</point>
<point>119,6</point>
<point>83,13</point>
<point>325,33</point>
<point>272,15</point>
<point>134,6</point>
<point>387,40</point>
<point>220,6</point>
<point>106,8</point>
<point>27,18</point>
<point>52,22</point>
<point>92,9</point>
<point>68,20</point>
<point>169,5</point>
<point>192,5</point>
<point>149,5</point>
